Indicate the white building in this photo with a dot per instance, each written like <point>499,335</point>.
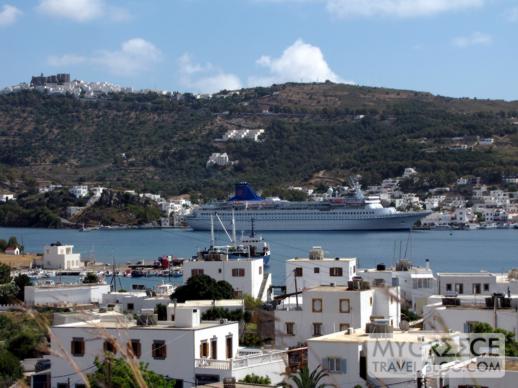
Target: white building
<point>65,294</point>
<point>189,350</point>
<point>316,270</point>
<point>409,172</point>
<point>218,159</point>
<point>205,305</point>
<point>247,276</point>
<point>243,134</point>
<point>346,357</point>
<point>59,256</point>
<point>80,191</point>
<point>4,197</point>
<point>475,283</point>
<point>416,283</point>
<point>457,313</point>
<point>327,309</point>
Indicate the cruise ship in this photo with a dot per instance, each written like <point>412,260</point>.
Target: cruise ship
<point>344,213</point>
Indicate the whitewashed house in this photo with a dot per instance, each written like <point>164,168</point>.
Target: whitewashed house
<point>326,309</point>
<point>79,191</point>
<point>459,312</point>
<point>60,256</point>
<point>5,197</point>
<point>64,294</point>
<point>247,276</point>
<point>475,283</point>
<point>317,270</point>
<point>191,351</point>
<point>218,159</point>
<point>345,355</point>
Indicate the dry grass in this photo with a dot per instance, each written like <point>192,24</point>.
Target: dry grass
<point>21,261</point>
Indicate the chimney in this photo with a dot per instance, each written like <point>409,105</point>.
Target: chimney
<point>427,263</point>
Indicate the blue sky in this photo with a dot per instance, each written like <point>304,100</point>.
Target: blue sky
<point>449,47</point>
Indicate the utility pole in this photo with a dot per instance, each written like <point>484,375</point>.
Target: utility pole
<point>296,289</point>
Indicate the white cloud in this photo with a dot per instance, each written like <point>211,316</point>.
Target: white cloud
<point>134,56</point>
<point>205,78</point>
<point>474,39</point>
<point>66,60</point>
<point>299,62</point>
<point>390,8</point>
<point>8,15</point>
<point>512,15</point>
<point>397,8</point>
<point>82,10</point>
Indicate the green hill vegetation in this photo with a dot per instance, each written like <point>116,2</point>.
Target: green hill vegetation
<point>158,143</point>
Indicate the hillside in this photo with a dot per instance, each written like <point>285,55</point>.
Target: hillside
<point>312,132</point>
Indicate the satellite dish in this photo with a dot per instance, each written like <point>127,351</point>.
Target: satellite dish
<point>404,325</point>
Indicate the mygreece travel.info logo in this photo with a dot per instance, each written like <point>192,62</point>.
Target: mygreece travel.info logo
<point>456,355</point>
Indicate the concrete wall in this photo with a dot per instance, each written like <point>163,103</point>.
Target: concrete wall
<point>66,295</point>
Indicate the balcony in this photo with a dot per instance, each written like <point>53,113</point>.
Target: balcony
<point>247,358</point>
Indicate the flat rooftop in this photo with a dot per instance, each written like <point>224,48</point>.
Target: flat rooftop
<point>124,324</point>
<point>326,259</point>
<point>464,274</point>
<point>359,336</point>
<point>334,289</point>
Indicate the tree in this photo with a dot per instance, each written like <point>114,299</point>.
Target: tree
<point>202,287</point>
<point>511,345</point>
<point>24,345</point>
<point>10,368</point>
<point>254,379</point>
<point>305,379</point>
<point>119,373</point>
<point>21,281</point>
<point>5,273</point>
<point>91,278</point>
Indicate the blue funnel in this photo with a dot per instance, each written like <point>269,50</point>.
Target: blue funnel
<point>244,192</point>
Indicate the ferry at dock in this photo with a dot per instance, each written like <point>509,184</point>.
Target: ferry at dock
<point>345,213</point>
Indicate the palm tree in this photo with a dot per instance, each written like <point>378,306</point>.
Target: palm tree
<point>305,379</point>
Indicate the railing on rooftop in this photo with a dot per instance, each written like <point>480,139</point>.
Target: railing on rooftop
<point>242,362</point>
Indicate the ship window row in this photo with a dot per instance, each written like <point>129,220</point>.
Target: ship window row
<point>268,213</point>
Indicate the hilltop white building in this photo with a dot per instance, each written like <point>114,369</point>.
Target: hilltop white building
<point>191,351</point>
<point>59,256</point>
<point>80,191</point>
<point>218,159</point>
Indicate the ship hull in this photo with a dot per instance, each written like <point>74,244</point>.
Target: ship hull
<point>290,222</point>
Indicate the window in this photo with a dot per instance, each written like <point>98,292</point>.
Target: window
<point>344,326</point>
<point>476,288</point>
<point>135,348</point>
<point>290,328</point>
<point>159,350</point>
<point>196,271</point>
<point>260,270</point>
<point>448,287</point>
<point>63,385</point>
<point>316,270</point>
<point>204,349</point>
<point>459,288</point>
<point>229,345</point>
<point>317,328</point>
<point>131,307</point>
<point>345,306</point>
<point>336,271</point>
<point>238,272</point>
<point>370,300</point>
<point>214,348</point>
<point>316,305</point>
<point>77,347</point>
<point>109,346</point>
<point>80,386</point>
<point>486,286</point>
<point>298,272</point>
<point>334,365</point>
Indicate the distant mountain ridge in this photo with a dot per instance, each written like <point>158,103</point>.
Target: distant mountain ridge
<point>158,142</point>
